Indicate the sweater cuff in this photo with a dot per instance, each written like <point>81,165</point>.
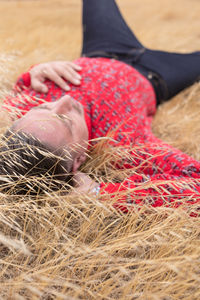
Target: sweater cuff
<point>26,79</point>
<point>110,188</point>
<point>23,82</point>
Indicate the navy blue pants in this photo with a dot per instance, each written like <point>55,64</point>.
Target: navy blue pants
<point>106,34</point>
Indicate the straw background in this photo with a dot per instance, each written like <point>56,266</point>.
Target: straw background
<point>75,247</point>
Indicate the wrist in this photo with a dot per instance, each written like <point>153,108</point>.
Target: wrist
<point>96,189</point>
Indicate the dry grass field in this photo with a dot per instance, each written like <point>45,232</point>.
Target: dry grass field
<point>67,247</point>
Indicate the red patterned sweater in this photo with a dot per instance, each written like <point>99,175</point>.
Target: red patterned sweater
<point>117,98</point>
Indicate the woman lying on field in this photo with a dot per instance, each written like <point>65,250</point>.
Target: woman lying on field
<point>115,87</point>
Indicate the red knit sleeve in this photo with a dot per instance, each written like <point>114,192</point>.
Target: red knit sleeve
<point>24,97</point>
<point>21,100</point>
<point>23,82</point>
<point>159,190</point>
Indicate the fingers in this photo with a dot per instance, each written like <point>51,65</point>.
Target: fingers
<point>38,86</point>
<point>59,72</point>
<point>70,75</point>
<point>57,78</point>
<point>69,72</point>
<point>75,66</point>
<point>37,75</point>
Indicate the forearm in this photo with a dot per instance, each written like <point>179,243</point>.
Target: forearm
<point>165,190</point>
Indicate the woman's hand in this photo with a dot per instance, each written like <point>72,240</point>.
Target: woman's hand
<point>83,183</point>
<point>58,72</point>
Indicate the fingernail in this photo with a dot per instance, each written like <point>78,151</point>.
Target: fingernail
<point>78,76</point>
<point>77,81</point>
<point>67,88</point>
<point>44,90</point>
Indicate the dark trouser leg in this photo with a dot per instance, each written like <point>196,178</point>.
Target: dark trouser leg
<point>104,29</point>
<point>105,32</point>
<point>178,71</point>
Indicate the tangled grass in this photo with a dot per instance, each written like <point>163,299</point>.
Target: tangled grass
<point>85,251</point>
<point>76,246</point>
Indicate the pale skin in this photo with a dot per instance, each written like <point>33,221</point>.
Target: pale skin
<point>57,71</point>
<point>59,124</point>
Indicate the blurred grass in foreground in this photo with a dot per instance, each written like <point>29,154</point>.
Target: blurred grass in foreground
<point>77,247</point>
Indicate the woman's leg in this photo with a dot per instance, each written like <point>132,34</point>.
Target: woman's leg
<point>104,29</point>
